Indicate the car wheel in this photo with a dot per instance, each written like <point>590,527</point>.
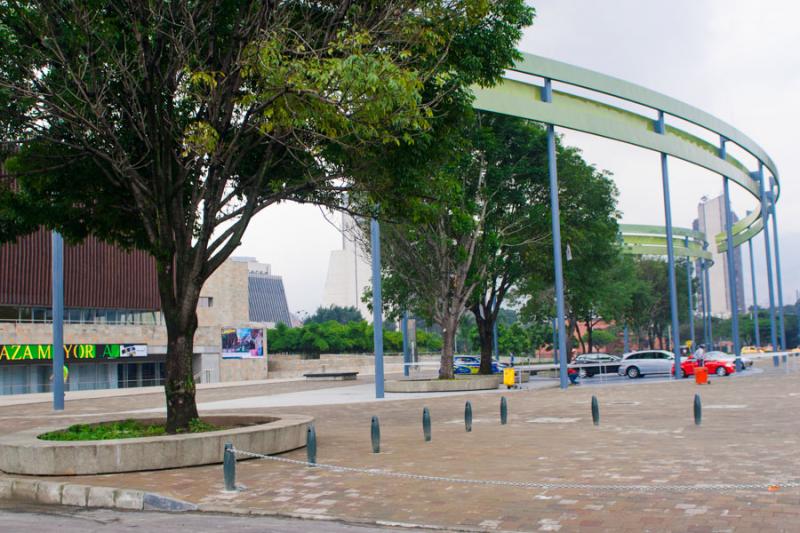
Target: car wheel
<point>684,375</point>
<point>633,372</point>
<point>721,371</point>
<point>582,372</point>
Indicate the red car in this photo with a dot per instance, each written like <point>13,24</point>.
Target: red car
<point>714,366</point>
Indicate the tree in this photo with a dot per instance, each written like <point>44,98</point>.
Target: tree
<point>516,184</point>
<point>168,125</point>
<point>589,228</point>
<point>649,311</point>
<point>343,315</point>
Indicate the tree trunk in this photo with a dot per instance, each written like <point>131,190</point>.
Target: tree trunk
<point>448,342</point>
<point>179,385</point>
<point>179,305</point>
<point>486,335</point>
<point>589,329</point>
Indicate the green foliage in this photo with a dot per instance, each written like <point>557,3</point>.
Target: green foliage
<point>167,126</point>
<point>125,429</point>
<point>343,315</point>
<point>601,337</point>
<point>335,337</point>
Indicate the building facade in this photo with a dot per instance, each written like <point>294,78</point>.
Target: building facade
<point>711,221</point>
<point>114,332</point>
<point>349,271</point>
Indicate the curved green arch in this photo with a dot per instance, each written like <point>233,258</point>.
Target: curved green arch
<point>524,99</point>
<point>638,239</point>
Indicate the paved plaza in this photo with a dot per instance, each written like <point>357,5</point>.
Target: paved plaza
<point>647,437</point>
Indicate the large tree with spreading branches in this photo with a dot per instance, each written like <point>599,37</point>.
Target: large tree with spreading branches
<point>167,126</point>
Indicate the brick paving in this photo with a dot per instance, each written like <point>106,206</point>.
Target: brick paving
<point>646,436</point>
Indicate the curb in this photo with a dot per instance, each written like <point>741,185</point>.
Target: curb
<point>62,493</point>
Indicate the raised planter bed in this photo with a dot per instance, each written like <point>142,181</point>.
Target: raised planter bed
<point>24,453</point>
<point>466,383</point>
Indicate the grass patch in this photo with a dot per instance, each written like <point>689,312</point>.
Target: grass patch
<point>123,429</point>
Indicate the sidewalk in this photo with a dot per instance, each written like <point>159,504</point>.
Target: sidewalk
<point>646,436</point>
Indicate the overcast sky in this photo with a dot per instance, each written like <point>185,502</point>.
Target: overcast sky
<point>737,60</point>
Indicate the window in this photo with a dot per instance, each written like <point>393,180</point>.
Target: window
<point>205,301</point>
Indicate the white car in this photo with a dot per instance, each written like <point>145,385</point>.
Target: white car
<point>644,362</point>
<point>722,356</point>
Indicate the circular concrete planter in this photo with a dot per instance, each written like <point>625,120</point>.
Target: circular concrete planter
<point>25,453</point>
<point>467,383</point>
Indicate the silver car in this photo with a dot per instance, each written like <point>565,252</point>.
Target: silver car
<point>722,356</point>
<point>644,362</point>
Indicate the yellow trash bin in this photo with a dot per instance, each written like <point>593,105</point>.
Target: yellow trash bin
<point>509,379</point>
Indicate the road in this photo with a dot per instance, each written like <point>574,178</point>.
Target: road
<point>45,519</point>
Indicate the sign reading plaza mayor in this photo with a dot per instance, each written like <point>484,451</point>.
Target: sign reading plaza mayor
<point>43,352</point>
<point>242,343</point>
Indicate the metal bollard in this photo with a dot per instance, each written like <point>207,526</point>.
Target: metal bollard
<point>698,410</point>
<point>311,444</point>
<point>503,410</point>
<point>376,435</point>
<point>468,416</point>
<point>426,424</point>
<point>595,411</point>
<point>229,467</point>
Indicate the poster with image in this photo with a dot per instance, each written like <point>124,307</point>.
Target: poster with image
<point>242,343</point>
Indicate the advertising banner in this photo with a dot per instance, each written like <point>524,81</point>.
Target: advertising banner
<point>44,352</point>
<point>242,343</point>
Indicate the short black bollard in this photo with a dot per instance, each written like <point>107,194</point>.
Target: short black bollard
<point>376,435</point>
<point>311,444</point>
<point>595,411</point>
<point>468,416</point>
<point>698,410</point>
<point>229,467</point>
<point>503,410</point>
<point>426,424</point>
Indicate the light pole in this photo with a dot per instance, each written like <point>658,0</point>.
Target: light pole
<point>58,320</point>
<point>377,305</point>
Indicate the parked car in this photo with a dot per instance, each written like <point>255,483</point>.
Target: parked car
<point>608,364</point>
<point>468,364</point>
<point>714,366</point>
<point>722,356</point>
<point>752,349</point>
<point>645,362</point>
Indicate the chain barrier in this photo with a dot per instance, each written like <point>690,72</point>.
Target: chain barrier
<point>711,487</point>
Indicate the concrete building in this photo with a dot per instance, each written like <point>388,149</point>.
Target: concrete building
<point>349,271</point>
<point>711,221</point>
<point>114,333</point>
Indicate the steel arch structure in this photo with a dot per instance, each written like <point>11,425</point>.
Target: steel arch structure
<point>526,91</point>
<point>581,103</point>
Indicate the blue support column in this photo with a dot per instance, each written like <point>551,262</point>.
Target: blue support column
<point>377,306</point>
<point>778,276</point>
<point>673,292</point>
<point>58,321</point>
<point>406,344</point>
<point>547,96</point>
<point>690,290</point>
<point>768,254</point>
<point>737,352</point>
<point>756,333</point>
<point>703,313</point>
<point>708,310</point>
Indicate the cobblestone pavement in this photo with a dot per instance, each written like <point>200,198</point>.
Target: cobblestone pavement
<point>647,436</point>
